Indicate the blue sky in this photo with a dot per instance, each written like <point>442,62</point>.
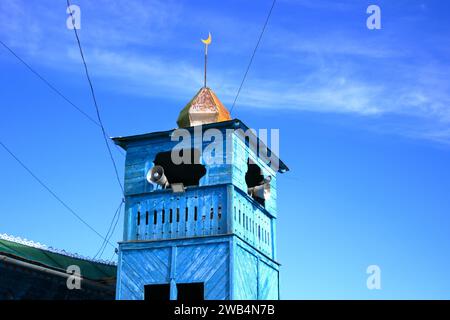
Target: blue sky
<point>363,116</point>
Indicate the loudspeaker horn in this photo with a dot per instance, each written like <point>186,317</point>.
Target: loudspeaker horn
<point>262,191</point>
<point>156,175</point>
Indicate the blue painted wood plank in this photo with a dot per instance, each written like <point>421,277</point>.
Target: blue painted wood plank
<point>231,267</point>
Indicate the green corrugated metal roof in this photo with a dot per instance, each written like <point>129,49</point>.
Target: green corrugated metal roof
<point>89,269</point>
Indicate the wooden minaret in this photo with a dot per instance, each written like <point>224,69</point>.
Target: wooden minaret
<point>198,230</point>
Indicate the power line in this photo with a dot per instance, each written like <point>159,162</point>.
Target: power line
<point>111,230</point>
<point>59,93</point>
<point>99,123</point>
<point>54,194</point>
<point>95,101</point>
<point>253,54</point>
<point>102,127</point>
<point>51,86</point>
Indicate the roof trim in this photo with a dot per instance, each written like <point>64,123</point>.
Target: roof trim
<point>45,249</point>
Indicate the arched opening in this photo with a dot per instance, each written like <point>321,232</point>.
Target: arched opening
<point>189,174</point>
<point>253,178</point>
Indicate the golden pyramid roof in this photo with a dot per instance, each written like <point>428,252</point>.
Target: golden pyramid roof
<point>203,108</point>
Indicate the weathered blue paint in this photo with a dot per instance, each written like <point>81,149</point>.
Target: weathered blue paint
<point>213,233</point>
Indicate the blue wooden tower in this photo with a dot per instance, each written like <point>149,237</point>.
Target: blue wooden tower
<point>199,230</point>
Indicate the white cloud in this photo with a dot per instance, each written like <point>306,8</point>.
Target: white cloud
<point>330,73</point>
<point>330,96</point>
<point>144,75</point>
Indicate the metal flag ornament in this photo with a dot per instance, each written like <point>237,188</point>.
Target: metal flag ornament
<point>207,42</point>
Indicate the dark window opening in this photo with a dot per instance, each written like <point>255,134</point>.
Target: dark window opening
<point>191,291</point>
<point>163,216</point>
<point>155,217</point>
<point>157,292</point>
<point>253,178</point>
<point>187,214</point>
<point>195,214</point>
<point>170,216</point>
<point>138,218</point>
<point>219,214</point>
<point>211,215</point>
<point>188,174</point>
<point>247,141</point>
<point>146,217</point>
<point>178,214</point>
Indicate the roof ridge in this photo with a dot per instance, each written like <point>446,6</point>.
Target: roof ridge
<point>38,245</point>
